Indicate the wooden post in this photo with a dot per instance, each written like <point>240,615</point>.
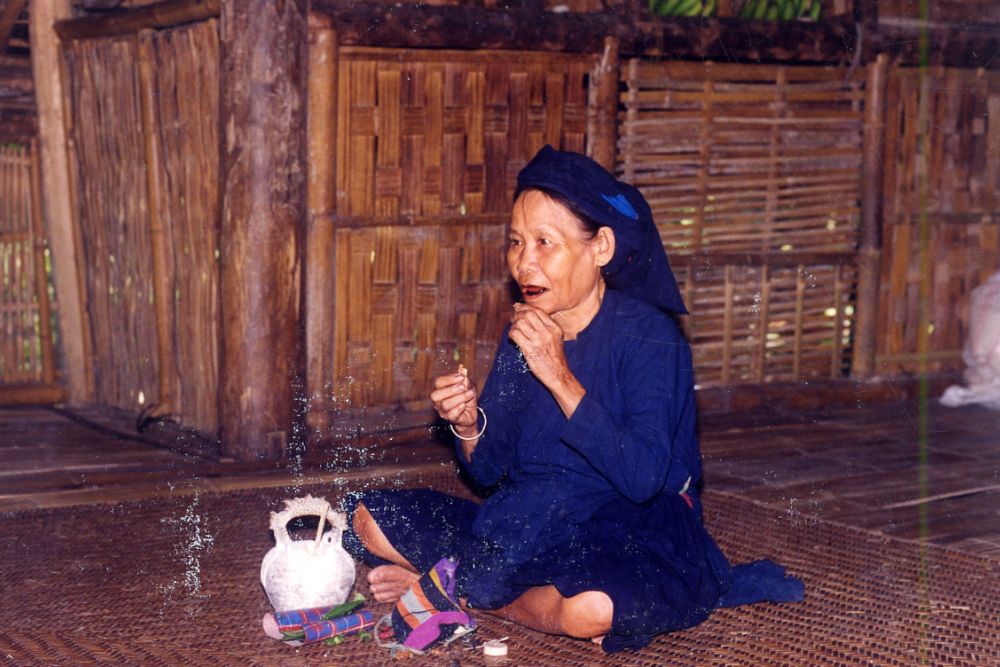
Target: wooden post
<point>603,130</point>
<point>56,196</point>
<point>159,238</point>
<point>870,252</point>
<point>262,117</point>
<point>322,196</point>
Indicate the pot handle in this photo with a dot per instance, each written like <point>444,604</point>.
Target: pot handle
<point>307,506</point>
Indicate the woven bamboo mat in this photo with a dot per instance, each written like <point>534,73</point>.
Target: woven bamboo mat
<point>174,581</point>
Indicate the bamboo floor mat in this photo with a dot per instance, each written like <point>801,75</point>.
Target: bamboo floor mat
<point>174,581</point>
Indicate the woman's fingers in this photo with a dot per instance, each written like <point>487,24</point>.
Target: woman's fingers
<point>454,398</point>
<point>442,381</point>
<point>534,322</point>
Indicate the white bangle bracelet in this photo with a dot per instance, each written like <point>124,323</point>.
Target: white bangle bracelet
<point>476,436</point>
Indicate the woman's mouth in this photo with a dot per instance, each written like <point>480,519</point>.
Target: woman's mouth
<point>532,291</point>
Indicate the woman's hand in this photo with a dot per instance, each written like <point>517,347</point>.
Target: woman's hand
<point>540,340</point>
<point>456,400</point>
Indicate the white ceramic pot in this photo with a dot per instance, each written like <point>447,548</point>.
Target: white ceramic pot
<point>301,574</point>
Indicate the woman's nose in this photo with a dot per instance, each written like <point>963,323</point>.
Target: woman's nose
<point>526,259</point>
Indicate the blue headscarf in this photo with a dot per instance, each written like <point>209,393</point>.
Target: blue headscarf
<point>639,267</point>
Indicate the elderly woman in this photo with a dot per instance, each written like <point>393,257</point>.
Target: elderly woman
<point>584,436</point>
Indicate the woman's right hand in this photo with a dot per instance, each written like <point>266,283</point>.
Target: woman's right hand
<point>456,400</point>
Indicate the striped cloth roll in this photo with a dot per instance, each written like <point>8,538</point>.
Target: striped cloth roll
<point>314,629</point>
<point>351,624</point>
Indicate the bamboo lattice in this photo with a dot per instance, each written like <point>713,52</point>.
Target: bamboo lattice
<point>429,147</point>
<point>941,223</point>
<point>120,225</point>
<point>110,194</point>
<point>752,173</point>
<point>187,83</point>
<point>25,333</point>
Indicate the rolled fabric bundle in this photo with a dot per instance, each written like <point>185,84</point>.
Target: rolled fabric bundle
<point>310,623</point>
<point>344,626</point>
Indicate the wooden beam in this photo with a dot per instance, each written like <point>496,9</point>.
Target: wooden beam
<point>468,27</point>
<point>263,175</point>
<point>8,19</point>
<point>794,397</point>
<point>969,45</point>
<point>34,394</point>
<point>709,259</point>
<point>522,27</point>
<point>870,252</point>
<point>167,14</point>
<point>41,278</point>
<point>56,195</point>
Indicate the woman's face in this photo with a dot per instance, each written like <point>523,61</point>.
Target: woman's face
<point>556,265</point>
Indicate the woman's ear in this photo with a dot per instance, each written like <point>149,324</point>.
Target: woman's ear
<point>604,244</point>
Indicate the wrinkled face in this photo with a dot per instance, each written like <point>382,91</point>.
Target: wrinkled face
<point>549,254</point>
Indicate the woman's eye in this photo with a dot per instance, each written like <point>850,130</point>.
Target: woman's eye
<point>544,241</point>
<point>513,242</point>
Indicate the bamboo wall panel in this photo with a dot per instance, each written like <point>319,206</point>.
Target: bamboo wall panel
<point>762,160</point>
<point>114,212</point>
<point>420,301</point>
<point>762,323</point>
<point>25,333</point>
<point>188,95</point>
<point>110,194</point>
<point>429,147</point>
<point>445,133</point>
<point>941,222</point>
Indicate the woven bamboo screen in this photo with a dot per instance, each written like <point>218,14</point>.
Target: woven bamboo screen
<point>752,173</point>
<point>110,193</point>
<point>25,332</point>
<point>429,146</point>
<point>941,216</point>
<point>187,87</point>
<point>121,228</point>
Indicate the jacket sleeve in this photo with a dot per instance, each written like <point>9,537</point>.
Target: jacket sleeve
<point>496,450</point>
<point>642,450</point>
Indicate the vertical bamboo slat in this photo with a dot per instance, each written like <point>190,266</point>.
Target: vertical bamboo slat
<point>602,131</point>
<point>869,253</point>
<point>163,279</point>
<point>319,243</point>
<point>41,278</point>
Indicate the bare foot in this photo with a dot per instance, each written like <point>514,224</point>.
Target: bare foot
<point>597,640</point>
<point>389,582</point>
